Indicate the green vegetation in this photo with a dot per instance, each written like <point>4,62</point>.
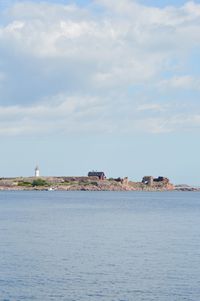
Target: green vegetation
<point>67,183</point>
<point>24,183</point>
<point>39,182</point>
<point>94,183</point>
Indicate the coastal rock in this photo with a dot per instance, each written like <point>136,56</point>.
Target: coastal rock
<point>82,184</point>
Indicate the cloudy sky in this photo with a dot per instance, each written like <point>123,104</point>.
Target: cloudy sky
<point>112,85</point>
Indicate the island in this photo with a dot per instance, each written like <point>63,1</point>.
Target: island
<point>95,181</point>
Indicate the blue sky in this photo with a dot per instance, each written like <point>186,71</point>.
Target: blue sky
<point>105,84</point>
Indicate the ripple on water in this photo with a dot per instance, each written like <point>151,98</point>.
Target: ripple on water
<point>99,246</point>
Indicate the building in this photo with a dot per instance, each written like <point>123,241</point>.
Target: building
<point>149,180</point>
<point>99,174</point>
<point>37,171</point>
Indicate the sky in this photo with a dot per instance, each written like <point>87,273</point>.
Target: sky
<point>111,85</point>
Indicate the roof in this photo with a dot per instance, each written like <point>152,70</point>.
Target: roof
<point>96,173</point>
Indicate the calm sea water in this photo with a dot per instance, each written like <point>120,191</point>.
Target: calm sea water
<point>109,246</point>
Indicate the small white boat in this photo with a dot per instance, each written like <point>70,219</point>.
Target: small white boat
<point>51,189</point>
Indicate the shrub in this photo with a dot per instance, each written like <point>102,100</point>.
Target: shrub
<point>39,182</point>
<point>94,183</point>
<point>23,183</point>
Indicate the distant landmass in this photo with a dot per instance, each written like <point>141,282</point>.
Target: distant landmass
<point>95,181</point>
<point>89,183</point>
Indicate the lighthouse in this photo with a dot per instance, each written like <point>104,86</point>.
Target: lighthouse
<point>37,171</point>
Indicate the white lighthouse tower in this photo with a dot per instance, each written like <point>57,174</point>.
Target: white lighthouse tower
<point>37,171</point>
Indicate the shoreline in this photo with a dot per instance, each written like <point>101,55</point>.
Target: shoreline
<point>87,184</point>
<point>95,189</point>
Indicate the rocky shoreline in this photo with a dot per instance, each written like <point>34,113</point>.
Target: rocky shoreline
<point>86,184</point>
<point>79,184</point>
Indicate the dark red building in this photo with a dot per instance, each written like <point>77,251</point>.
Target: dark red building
<point>99,174</point>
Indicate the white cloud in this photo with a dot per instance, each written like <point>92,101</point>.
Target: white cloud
<point>87,115</point>
<point>156,125</point>
<point>14,27</point>
<point>81,67</point>
<point>67,31</point>
<point>181,82</point>
<point>151,107</point>
<point>133,45</point>
<point>170,124</point>
<point>59,113</point>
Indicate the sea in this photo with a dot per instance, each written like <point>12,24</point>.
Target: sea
<point>93,246</point>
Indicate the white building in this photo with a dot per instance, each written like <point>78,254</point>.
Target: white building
<point>37,171</point>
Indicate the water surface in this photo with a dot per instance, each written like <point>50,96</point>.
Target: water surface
<point>109,246</point>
